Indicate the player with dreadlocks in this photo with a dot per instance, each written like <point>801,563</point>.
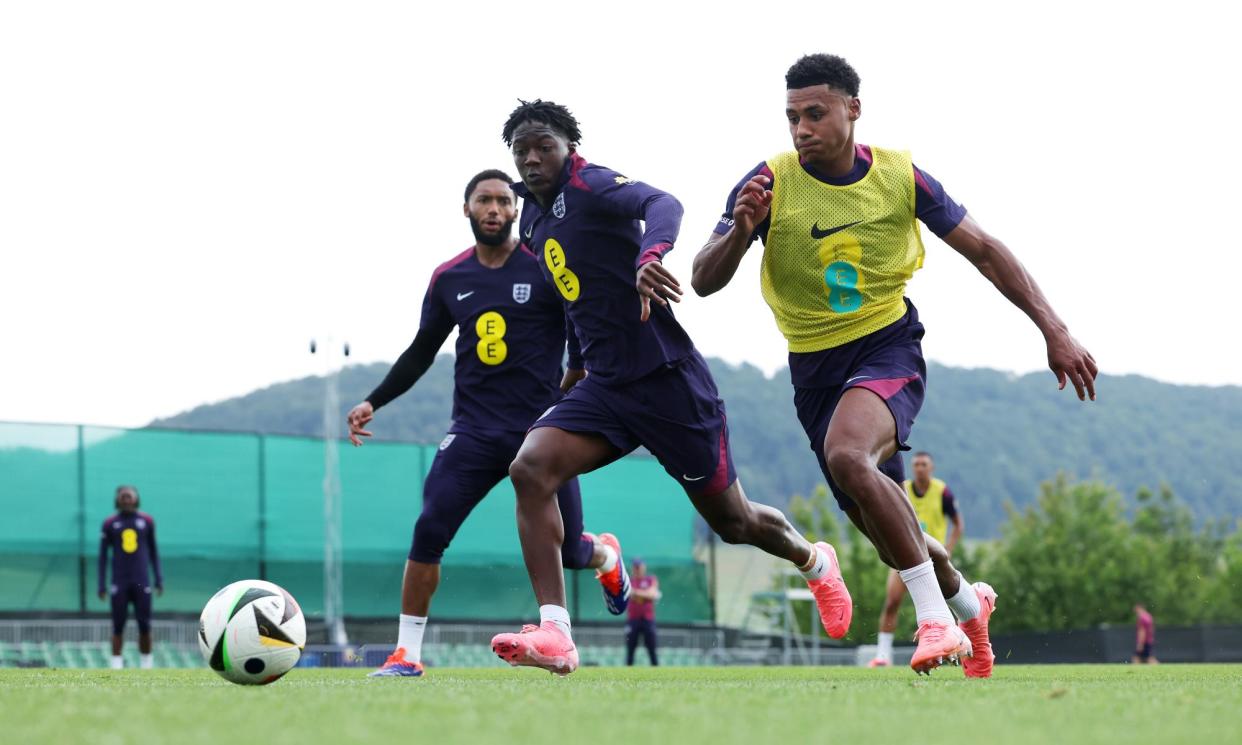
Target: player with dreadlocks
<point>644,384</point>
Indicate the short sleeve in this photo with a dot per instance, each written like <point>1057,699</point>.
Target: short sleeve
<point>949,503</point>
<point>725,224</point>
<point>933,206</point>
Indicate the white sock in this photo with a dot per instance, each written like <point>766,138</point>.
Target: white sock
<point>145,662</point>
<point>819,567</point>
<point>557,615</point>
<point>884,646</point>
<point>929,604</point>
<point>117,662</point>
<point>410,636</point>
<point>965,604</point>
<point>610,559</point>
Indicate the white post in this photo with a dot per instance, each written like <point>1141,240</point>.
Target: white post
<point>333,605</point>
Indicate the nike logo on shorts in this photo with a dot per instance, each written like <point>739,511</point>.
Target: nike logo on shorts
<point>687,478</point>
<point>857,377</point>
<point>817,234</point>
<point>464,295</point>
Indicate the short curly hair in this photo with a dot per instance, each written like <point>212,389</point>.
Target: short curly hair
<point>488,175</point>
<point>823,69</point>
<point>553,114</point>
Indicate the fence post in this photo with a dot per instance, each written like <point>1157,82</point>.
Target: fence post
<point>711,586</point>
<point>574,589</point>
<point>262,506</point>
<point>81,521</point>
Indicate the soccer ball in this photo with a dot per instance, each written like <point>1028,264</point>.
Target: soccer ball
<point>252,632</point>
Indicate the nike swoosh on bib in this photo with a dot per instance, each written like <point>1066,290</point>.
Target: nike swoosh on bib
<point>817,234</point>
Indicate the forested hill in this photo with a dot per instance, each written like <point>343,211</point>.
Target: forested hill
<point>995,436</point>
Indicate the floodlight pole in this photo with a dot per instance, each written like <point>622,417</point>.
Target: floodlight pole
<point>333,585</point>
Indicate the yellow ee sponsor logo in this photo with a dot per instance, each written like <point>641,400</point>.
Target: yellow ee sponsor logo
<point>564,279</point>
<point>841,255</point>
<point>491,327</point>
<point>129,540</point>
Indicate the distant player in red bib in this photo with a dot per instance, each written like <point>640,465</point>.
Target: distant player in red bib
<point>935,507</point>
<point>840,228</point>
<point>1145,637</point>
<point>600,238</point>
<point>641,621</point>
<point>130,536</point>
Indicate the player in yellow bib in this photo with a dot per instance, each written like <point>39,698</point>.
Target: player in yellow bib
<point>839,223</point>
<point>935,507</point>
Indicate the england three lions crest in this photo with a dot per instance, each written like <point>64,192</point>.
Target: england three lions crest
<point>558,207</point>
<point>521,292</point>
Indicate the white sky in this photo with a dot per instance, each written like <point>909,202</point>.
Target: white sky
<point>190,192</point>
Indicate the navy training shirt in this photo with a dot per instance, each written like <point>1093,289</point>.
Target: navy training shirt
<point>590,243</point>
<point>510,339</point>
<point>131,538</point>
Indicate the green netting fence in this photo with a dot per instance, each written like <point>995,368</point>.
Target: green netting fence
<point>229,506</point>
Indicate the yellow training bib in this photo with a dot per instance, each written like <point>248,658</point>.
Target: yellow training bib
<point>837,258</point>
<point>929,509</point>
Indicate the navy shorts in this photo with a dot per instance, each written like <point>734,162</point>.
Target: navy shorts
<point>467,467</point>
<point>674,412</point>
<point>888,362</point>
<point>1144,652</point>
<point>122,596</point>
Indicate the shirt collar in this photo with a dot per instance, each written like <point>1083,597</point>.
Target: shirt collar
<point>573,164</point>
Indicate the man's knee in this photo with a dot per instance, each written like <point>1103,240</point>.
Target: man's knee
<point>848,467</point>
<point>431,538</point>
<point>532,473</point>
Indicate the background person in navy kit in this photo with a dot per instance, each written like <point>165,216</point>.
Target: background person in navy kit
<point>130,535</point>
<point>507,371</point>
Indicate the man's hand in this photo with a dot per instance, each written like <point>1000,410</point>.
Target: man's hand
<point>102,594</point>
<point>571,379</point>
<point>1070,361</point>
<point>159,590</point>
<point>717,261</point>
<point>357,419</point>
<point>751,207</point>
<point>658,284</point>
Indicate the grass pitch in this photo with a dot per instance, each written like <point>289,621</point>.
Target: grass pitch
<point>700,706</point>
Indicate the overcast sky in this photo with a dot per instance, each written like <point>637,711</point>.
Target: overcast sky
<point>190,192</point>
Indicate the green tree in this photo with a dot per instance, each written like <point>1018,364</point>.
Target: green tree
<point>1068,561</point>
<point>1076,559</point>
<point>1177,563</point>
<point>1225,589</point>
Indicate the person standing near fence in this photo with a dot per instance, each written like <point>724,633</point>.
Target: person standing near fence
<point>641,619</point>
<point>1145,637</point>
<point>130,535</point>
<point>511,338</point>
